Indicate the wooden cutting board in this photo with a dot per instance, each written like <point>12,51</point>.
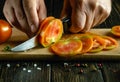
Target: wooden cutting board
<point>44,53</point>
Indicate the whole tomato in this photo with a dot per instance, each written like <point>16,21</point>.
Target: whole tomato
<point>5,31</point>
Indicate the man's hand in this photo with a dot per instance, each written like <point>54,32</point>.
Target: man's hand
<point>86,14</point>
<point>25,15</point>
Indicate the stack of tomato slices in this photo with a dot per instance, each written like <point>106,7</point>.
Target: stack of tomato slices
<point>76,44</point>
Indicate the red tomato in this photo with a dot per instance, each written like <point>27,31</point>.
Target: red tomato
<point>66,48</point>
<point>5,31</point>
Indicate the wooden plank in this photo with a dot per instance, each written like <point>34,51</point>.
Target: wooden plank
<point>76,72</point>
<point>25,72</point>
<point>111,71</point>
<point>40,52</point>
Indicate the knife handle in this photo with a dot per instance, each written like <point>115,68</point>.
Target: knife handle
<point>66,24</point>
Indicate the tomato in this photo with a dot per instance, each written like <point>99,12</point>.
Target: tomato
<point>98,44</point>
<point>87,42</point>
<point>5,31</point>
<point>110,42</point>
<point>116,30</point>
<point>67,47</point>
<point>50,31</point>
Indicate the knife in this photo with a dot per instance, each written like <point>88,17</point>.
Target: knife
<point>33,42</point>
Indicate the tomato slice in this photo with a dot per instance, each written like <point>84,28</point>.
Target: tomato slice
<point>110,43</point>
<point>116,30</point>
<point>51,32</point>
<point>67,47</point>
<point>87,42</point>
<point>98,44</point>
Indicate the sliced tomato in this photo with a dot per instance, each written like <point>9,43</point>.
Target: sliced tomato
<point>98,44</point>
<point>87,42</point>
<point>110,43</point>
<point>51,32</point>
<point>116,30</point>
<point>67,47</point>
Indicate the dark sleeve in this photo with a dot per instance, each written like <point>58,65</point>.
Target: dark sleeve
<point>54,7</point>
<point>1,9</point>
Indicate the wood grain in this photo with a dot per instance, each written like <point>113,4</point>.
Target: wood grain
<point>41,53</point>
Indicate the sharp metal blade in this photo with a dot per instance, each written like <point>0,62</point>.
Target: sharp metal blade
<point>31,43</point>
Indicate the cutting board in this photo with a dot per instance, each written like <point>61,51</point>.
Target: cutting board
<point>44,53</point>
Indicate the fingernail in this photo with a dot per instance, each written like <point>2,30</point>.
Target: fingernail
<point>75,29</point>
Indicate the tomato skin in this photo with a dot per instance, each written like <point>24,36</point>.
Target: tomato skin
<point>5,31</point>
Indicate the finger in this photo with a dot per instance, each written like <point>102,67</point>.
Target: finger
<point>100,15</point>
<point>42,13</point>
<point>29,7</point>
<point>88,24</point>
<point>103,18</point>
<point>10,14</point>
<point>66,10</point>
<point>90,12</point>
<point>78,19</point>
<point>19,13</point>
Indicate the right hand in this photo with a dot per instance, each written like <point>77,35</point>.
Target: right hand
<point>86,14</point>
<point>26,15</point>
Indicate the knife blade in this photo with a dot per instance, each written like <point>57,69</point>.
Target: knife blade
<point>33,42</point>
